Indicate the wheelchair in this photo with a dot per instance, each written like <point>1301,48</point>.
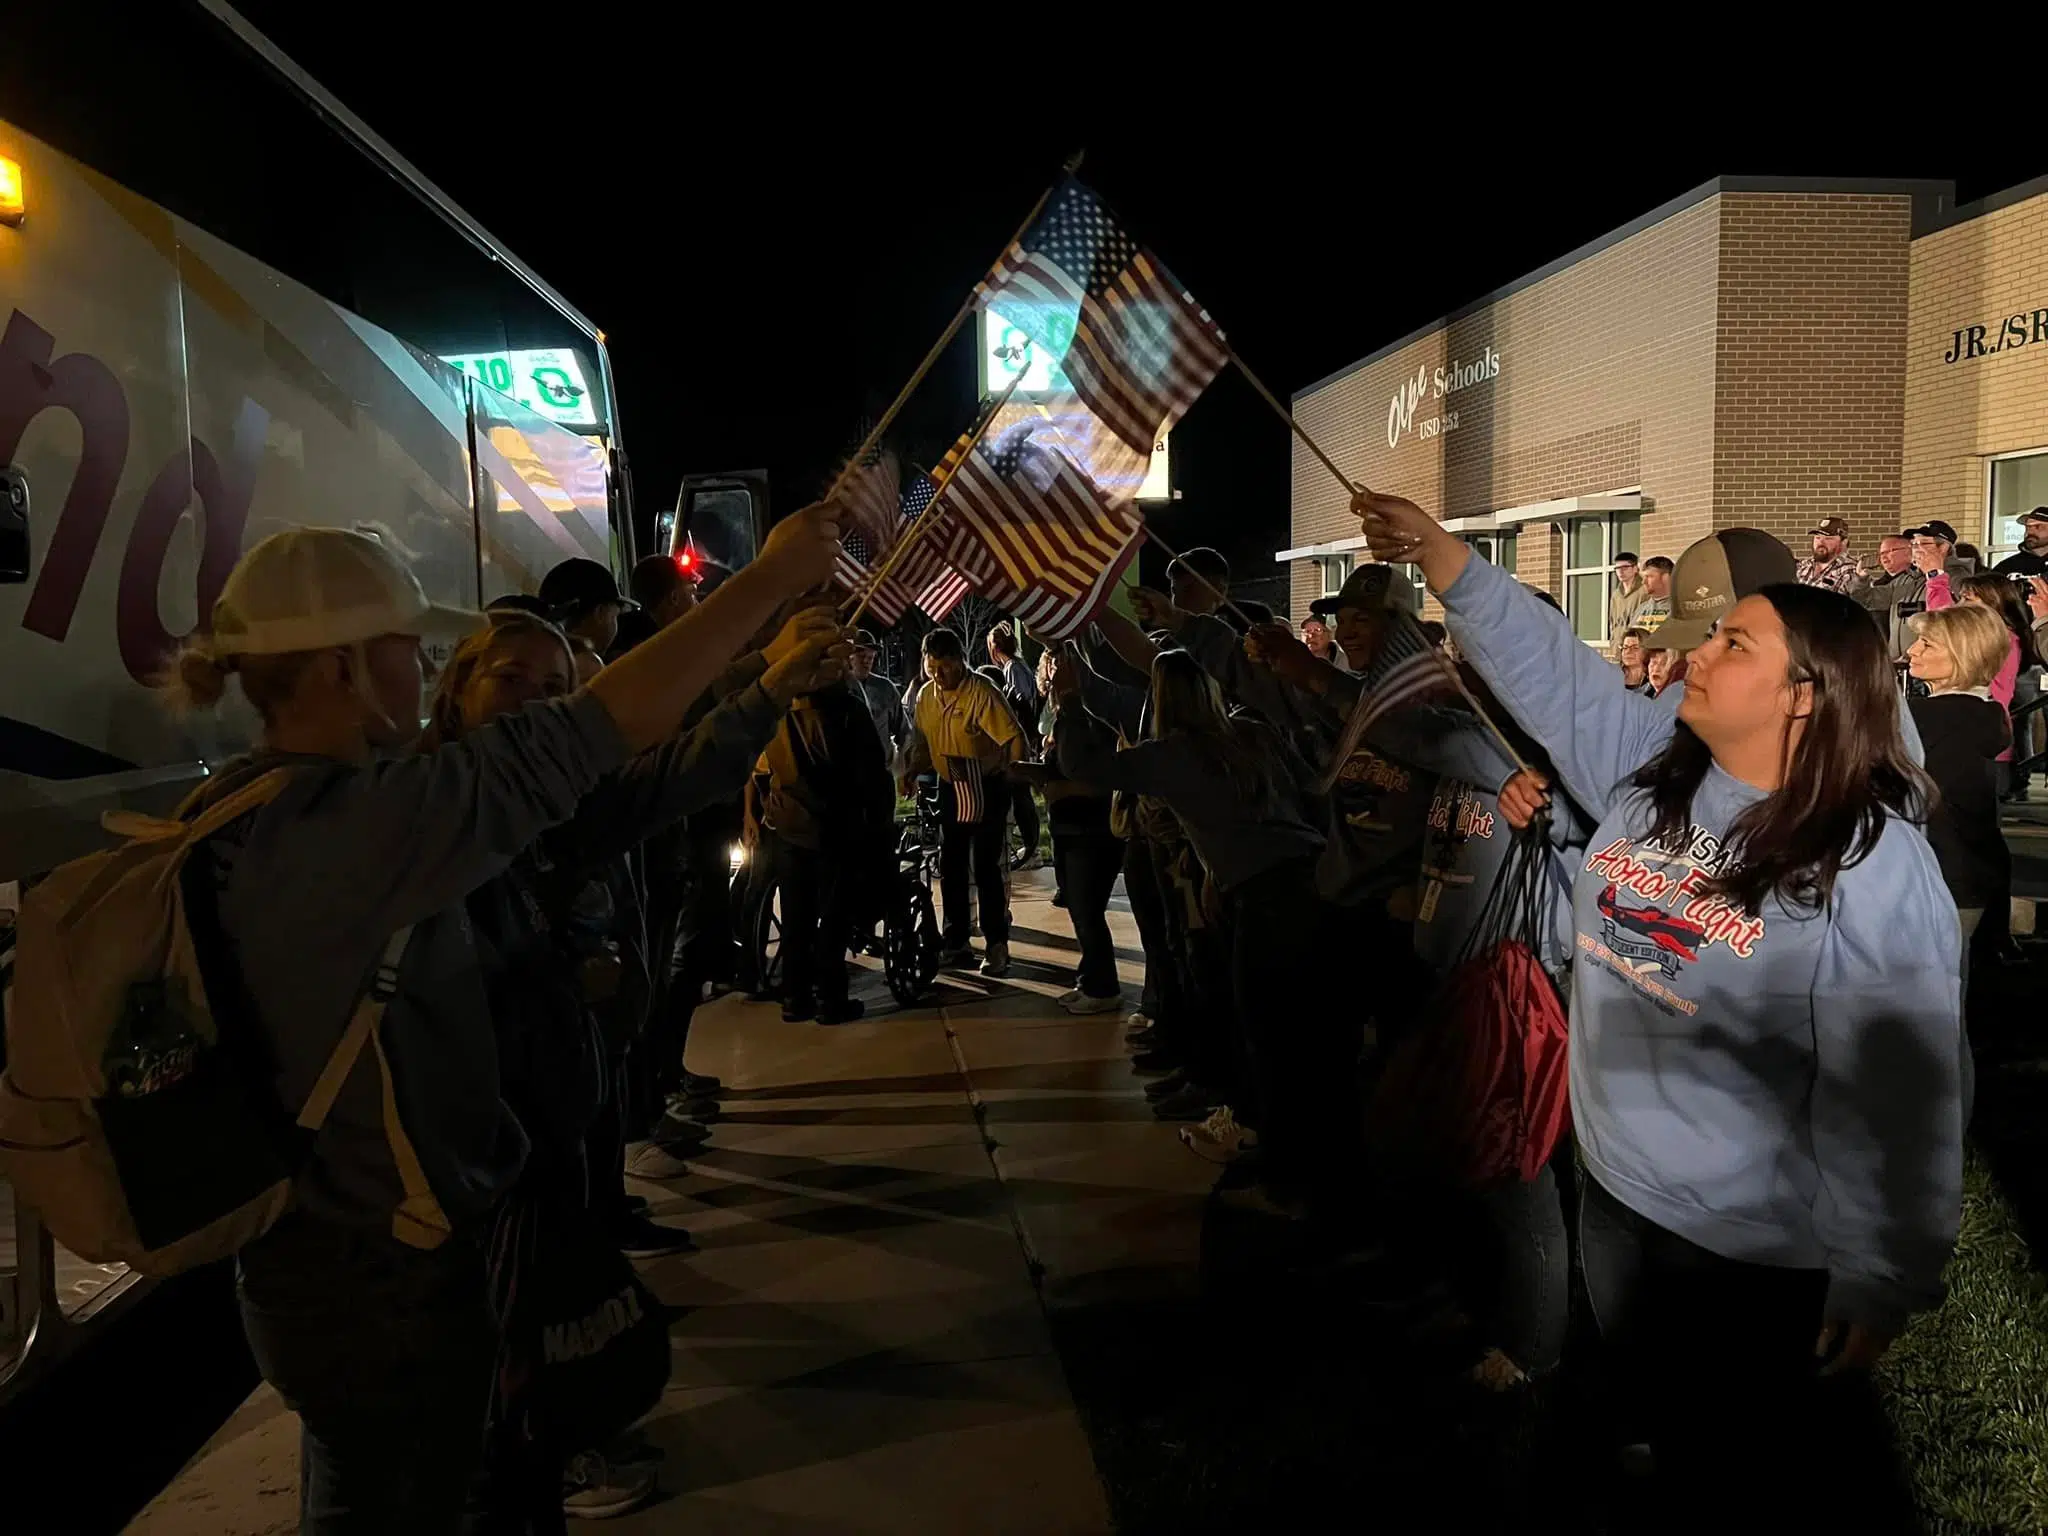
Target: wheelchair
<point>910,924</point>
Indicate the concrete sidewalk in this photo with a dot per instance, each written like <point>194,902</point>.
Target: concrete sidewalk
<point>885,1213</point>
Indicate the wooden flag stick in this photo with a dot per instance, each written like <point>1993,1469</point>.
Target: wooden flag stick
<point>946,336</point>
<point>928,518</point>
<point>1288,416</point>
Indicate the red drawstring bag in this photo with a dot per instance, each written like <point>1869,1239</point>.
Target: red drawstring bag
<point>1480,1095</point>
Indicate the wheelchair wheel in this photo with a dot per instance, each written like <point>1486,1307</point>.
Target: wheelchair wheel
<point>910,944</point>
<point>768,940</point>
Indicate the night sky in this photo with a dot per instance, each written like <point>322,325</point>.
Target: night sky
<point>772,224</point>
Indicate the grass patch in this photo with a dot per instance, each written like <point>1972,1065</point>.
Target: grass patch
<point>1966,1388</point>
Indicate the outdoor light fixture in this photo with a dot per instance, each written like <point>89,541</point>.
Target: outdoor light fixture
<point>13,206</point>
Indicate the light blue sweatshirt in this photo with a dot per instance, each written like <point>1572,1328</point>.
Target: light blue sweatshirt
<point>1785,1088</point>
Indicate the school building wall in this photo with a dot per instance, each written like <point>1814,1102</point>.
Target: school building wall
<point>1970,396</point>
<point>1740,358</point>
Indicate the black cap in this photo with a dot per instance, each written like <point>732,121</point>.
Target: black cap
<point>864,640</point>
<point>1715,574</point>
<point>1366,587</point>
<point>2038,515</point>
<point>518,602</point>
<point>576,586</point>
<point>1934,528</point>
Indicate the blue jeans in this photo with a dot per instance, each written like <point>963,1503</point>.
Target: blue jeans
<point>385,1353</point>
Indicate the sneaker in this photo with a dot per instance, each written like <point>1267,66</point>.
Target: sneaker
<point>956,957</point>
<point>1166,1087</point>
<point>639,1238</point>
<point>1219,1139</point>
<point>1059,898</point>
<point>997,961</point>
<point>677,1128</point>
<point>1078,1001</point>
<point>1261,1199</point>
<point>1154,1063</point>
<point>798,1010</point>
<point>684,1106</point>
<point>1024,863</point>
<point>846,1012</point>
<point>594,1489</point>
<point>1190,1102</point>
<point>701,1085</point>
<point>1137,1019</point>
<point>1143,1039</point>
<point>662,1160</point>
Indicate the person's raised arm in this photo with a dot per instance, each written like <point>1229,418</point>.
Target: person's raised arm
<point>648,691</point>
<point>1560,690</point>
<point>1132,645</point>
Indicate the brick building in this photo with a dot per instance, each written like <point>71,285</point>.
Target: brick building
<point>1757,352</point>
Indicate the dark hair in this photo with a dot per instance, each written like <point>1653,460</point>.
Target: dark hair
<point>1543,595</point>
<point>1659,563</point>
<point>1434,632</point>
<point>1207,564</point>
<point>1188,707</point>
<point>1848,771</point>
<point>945,644</point>
<point>1003,640</point>
<point>1625,558</point>
<point>1969,552</point>
<point>652,579</point>
<point>2003,598</point>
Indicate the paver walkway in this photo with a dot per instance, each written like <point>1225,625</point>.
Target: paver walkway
<point>886,1212</point>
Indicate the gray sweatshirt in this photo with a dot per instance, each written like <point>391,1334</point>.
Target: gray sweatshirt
<point>1783,1088</point>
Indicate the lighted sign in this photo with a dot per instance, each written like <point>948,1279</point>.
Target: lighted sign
<point>1034,350</point>
<point>1158,484</point>
<point>548,381</point>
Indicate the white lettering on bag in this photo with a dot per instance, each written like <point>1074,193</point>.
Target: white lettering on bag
<point>585,1336</point>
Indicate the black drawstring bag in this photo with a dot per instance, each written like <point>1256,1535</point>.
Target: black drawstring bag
<point>585,1351</point>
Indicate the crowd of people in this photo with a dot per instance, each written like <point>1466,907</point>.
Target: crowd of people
<point>1709,864</point>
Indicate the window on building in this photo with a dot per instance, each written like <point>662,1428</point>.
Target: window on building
<point>1495,548</point>
<point>2018,485</point>
<point>1336,570</point>
<point>1408,587</point>
<point>1590,545</point>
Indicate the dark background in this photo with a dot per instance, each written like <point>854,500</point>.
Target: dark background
<point>772,222</point>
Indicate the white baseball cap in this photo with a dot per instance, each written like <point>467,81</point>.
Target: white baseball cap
<point>309,589</point>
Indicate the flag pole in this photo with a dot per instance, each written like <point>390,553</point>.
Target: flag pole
<point>946,336</point>
<point>1344,480</point>
<point>928,518</point>
<point>1288,416</point>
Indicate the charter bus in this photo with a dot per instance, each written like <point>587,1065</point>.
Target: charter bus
<point>228,307</point>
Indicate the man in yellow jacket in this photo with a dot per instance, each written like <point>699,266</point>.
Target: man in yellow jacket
<point>965,732</point>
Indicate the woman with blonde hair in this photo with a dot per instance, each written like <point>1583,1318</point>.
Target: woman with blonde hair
<point>366,1306</point>
<point>1958,653</point>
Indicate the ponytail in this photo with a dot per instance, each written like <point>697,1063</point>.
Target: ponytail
<point>195,680</point>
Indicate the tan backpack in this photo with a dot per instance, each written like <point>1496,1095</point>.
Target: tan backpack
<point>126,1122</point>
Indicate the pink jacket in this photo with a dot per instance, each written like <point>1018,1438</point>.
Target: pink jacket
<point>1939,595</point>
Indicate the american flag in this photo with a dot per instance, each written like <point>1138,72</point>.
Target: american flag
<point>1137,350</point>
<point>1055,548</point>
<point>1407,668</point>
<point>872,502</point>
<point>852,570</point>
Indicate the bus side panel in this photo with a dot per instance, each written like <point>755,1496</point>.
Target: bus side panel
<point>542,494</point>
<point>315,417</point>
<point>93,410</point>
